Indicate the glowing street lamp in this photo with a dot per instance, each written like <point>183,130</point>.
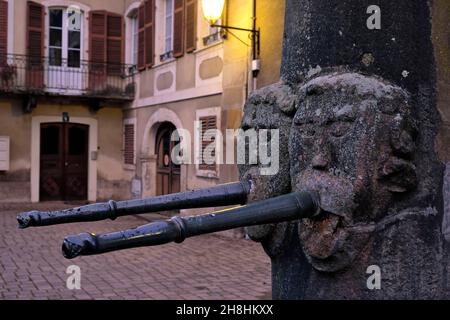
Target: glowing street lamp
<point>212,10</point>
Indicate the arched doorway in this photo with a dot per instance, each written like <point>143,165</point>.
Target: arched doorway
<point>167,172</point>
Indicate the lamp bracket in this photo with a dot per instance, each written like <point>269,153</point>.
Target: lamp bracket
<point>256,37</point>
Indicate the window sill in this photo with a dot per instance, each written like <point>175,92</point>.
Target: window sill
<point>207,174</point>
<point>163,63</point>
<point>167,56</point>
<point>212,39</point>
<point>209,46</point>
<point>129,167</point>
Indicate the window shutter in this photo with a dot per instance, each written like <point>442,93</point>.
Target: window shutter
<point>191,25</point>
<point>178,28</point>
<point>207,123</point>
<point>3,31</point>
<point>114,51</point>
<point>98,36</point>
<point>149,8</point>
<point>4,153</point>
<point>35,40</point>
<point>128,154</point>
<point>35,29</point>
<point>141,37</point>
<point>97,49</point>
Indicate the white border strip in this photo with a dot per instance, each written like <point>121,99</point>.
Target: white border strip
<point>181,95</point>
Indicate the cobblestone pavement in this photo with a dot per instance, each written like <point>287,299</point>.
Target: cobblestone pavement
<point>205,267</point>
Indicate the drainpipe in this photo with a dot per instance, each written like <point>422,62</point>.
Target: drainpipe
<point>256,63</point>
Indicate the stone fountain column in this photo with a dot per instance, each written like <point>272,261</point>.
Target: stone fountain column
<point>363,132</point>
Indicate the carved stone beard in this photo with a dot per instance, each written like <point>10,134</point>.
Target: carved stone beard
<point>411,268</point>
<point>332,242</point>
<point>346,192</point>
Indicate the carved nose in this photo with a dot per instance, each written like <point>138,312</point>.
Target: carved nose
<point>320,161</point>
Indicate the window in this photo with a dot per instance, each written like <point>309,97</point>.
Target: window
<point>168,30</point>
<point>129,142</point>
<point>134,37</point>
<point>215,34</point>
<point>74,38</point>
<point>55,37</point>
<point>215,30</point>
<point>169,25</point>
<point>208,152</point>
<point>64,37</point>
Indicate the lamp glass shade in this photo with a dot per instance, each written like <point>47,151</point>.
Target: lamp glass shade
<point>212,10</point>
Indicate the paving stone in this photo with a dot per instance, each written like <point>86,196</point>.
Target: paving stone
<point>206,267</point>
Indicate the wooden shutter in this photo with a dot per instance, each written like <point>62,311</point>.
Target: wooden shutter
<point>178,28</point>
<point>98,36</point>
<point>97,49</point>
<point>191,25</point>
<point>3,31</point>
<point>4,153</point>
<point>35,29</point>
<point>114,51</point>
<point>128,153</point>
<point>35,49</point>
<point>149,7</point>
<point>207,123</point>
<point>141,37</point>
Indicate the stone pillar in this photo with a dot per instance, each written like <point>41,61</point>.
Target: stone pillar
<point>362,136</point>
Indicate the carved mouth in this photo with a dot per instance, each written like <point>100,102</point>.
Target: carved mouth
<point>321,237</point>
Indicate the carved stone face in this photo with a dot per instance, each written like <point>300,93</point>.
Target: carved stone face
<point>264,110</point>
<point>268,108</point>
<point>351,142</point>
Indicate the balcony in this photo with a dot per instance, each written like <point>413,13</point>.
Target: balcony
<point>21,74</point>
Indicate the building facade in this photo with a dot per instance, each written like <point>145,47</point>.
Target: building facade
<point>92,90</point>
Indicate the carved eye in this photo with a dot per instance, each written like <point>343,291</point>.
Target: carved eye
<point>339,129</point>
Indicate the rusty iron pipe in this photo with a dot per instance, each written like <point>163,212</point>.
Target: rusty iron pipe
<point>288,207</point>
<point>222,195</point>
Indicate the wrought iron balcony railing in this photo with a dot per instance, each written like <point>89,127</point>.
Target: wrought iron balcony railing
<point>21,74</point>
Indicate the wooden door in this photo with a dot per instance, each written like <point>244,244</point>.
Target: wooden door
<point>63,165</point>
<point>75,163</point>
<point>168,173</point>
<point>51,166</point>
